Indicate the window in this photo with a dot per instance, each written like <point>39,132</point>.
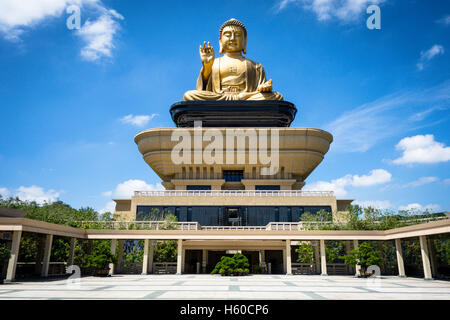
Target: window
<point>267,187</point>
<point>233,175</point>
<point>193,187</point>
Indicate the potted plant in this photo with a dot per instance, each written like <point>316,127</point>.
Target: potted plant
<point>5,254</point>
<point>366,255</point>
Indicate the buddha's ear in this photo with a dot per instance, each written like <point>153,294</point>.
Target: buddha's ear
<point>220,46</point>
<point>244,47</point>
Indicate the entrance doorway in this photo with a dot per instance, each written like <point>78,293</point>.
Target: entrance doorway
<point>233,216</point>
<point>275,258</point>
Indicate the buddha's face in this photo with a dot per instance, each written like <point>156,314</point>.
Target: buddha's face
<point>233,39</point>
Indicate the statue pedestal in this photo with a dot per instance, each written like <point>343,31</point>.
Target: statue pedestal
<point>241,113</point>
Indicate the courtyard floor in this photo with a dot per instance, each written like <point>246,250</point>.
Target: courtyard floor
<point>198,287</point>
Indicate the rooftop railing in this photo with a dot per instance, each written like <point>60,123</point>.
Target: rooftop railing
<point>195,226</point>
<point>140,225</point>
<point>233,193</point>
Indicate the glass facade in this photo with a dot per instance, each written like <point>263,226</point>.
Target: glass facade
<point>193,187</point>
<point>233,175</point>
<point>267,187</point>
<point>229,215</point>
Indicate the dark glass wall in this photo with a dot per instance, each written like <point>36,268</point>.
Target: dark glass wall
<point>194,187</point>
<point>267,187</point>
<point>233,175</point>
<point>229,215</point>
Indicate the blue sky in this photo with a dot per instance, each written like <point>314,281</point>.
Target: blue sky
<point>71,101</point>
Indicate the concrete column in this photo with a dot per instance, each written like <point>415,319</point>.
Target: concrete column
<point>284,261</point>
<point>400,262</point>
<point>179,256</point>
<point>425,258</point>
<point>317,255</point>
<point>288,258</point>
<point>150,256</point>
<point>12,263</point>
<point>120,257</point>
<point>47,253</point>
<point>357,267</point>
<point>433,259</point>
<point>73,242</point>
<point>183,260</point>
<point>262,261</point>
<point>113,251</point>
<point>348,249</point>
<point>204,260</point>
<point>145,258</point>
<point>323,258</point>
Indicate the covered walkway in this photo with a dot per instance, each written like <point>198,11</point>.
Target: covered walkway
<point>11,229</point>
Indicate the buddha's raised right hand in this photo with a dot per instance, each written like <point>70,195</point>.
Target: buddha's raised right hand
<point>207,58</point>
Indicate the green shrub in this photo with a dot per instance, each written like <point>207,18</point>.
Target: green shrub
<point>101,256</point>
<point>238,264</point>
<point>5,253</point>
<point>305,253</point>
<point>365,256</point>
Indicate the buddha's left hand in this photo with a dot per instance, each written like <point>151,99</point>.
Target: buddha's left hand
<point>265,87</point>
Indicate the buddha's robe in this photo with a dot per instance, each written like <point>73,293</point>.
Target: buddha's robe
<point>215,88</point>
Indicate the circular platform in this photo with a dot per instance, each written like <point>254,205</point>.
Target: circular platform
<point>270,113</point>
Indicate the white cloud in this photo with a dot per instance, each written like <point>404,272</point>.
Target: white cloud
<point>447,181</point>
<point>361,128</point>
<point>17,16</point>
<point>107,193</point>
<point>99,35</point>
<point>429,54</point>
<point>444,20</point>
<point>422,149</point>
<point>126,189</point>
<point>38,194</point>
<point>375,177</point>
<point>419,116</point>
<point>4,192</point>
<point>344,10</point>
<point>418,208</point>
<point>376,204</point>
<point>138,120</point>
<point>421,181</point>
<point>109,207</point>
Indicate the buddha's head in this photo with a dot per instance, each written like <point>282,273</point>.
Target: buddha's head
<point>233,37</point>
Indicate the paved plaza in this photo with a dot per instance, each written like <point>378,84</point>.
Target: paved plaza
<point>198,287</point>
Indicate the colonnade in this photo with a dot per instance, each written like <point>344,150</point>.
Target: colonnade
<point>149,245</point>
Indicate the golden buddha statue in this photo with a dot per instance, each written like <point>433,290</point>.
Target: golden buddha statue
<point>232,76</point>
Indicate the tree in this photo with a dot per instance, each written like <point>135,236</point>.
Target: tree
<point>5,253</point>
<point>238,264</point>
<point>365,256</point>
<point>305,253</point>
<point>332,250</point>
<point>101,256</point>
